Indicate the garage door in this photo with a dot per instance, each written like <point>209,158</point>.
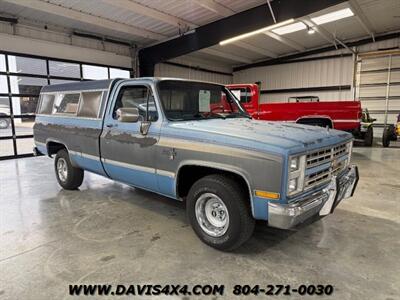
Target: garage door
<point>378,85</point>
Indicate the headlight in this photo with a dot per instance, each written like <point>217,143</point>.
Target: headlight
<point>296,170</point>
<point>294,164</point>
<point>292,185</point>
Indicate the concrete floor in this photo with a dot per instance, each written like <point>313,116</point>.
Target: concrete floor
<point>111,233</point>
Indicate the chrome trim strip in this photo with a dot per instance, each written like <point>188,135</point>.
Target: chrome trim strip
<point>129,166</point>
<point>165,173</point>
<point>85,155</point>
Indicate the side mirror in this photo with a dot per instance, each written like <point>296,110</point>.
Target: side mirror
<point>128,115</point>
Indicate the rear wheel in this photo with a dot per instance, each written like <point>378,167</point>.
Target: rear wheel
<point>68,176</point>
<point>369,137</point>
<point>219,212</point>
<point>387,135</point>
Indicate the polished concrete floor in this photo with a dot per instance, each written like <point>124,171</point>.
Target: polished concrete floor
<point>110,233</point>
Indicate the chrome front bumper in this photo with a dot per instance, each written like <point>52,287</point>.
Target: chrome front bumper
<point>323,202</point>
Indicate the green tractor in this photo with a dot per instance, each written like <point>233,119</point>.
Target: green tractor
<point>391,133</point>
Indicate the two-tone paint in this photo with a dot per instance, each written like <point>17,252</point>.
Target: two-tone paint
<point>257,151</point>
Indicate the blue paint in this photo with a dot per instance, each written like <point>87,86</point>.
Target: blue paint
<point>85,163</point>
<point>132,177</point>
<point>166,185</point>
<point>260,208</point>
<point>42,149</point>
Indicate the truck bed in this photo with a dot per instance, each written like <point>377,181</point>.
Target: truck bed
<point>344,114</point>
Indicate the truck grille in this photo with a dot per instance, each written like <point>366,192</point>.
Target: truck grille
<point>325,156</point>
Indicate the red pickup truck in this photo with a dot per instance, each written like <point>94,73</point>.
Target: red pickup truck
<point>341,115</point>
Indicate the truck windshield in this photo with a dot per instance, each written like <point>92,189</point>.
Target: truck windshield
<point>185,100</point>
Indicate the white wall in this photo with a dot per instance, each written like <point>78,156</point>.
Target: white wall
<point>316,73</point>
<point>35,41</point>
<point>166,70</point>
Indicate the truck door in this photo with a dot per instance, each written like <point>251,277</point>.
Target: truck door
<point>127,150</point>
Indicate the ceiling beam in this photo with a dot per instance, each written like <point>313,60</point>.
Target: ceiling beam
<point>215,7</point>
<point>285,41</point>
<point>86,18</point>
<point>255,49</point>
<point>149,12</point>
<point>225,55</point>
<point>362,19</point>
<point>211,34</point>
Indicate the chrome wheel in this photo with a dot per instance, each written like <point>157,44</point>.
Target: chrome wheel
<point>62,169</point>
<point>212,214</point>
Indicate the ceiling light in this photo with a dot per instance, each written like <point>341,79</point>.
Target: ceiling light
<point>290,28</point>
<point>249,34</point>
<point>333,16</point>
<point>310,30</point>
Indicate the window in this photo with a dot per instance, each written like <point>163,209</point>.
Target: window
<point>90,104</point>
<point>243,94</point>
<point>94,72</point>
<point>136,97</point>
<point>66,103</point>
<point>21,79</point>
<point>26,85</point>
<point>118,73</point>
<point>64,69</point>
<point>19,64</point>
<point>3,84</point>
<point>195,100</point>
<point>2,63</point>
<point>46,104</point>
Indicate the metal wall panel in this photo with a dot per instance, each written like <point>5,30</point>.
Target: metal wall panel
<point>317,73</point>
<point>166,70</point>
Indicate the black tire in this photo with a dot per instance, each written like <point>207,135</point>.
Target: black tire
<point>236,201</point>
<point>369,137</point>
<point>4,123</point>
<point>387,134</point>
<point>73,176</point>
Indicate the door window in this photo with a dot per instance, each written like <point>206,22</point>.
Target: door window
<point>136,97</point>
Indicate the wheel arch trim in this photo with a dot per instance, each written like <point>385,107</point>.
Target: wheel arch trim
<point>219,167</point>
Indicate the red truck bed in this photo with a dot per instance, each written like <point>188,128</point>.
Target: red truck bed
<point>345,115</point>
<point>342,115</point>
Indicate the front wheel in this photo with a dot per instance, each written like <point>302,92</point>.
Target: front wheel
<point>219,212</point>
<point>69,177</point>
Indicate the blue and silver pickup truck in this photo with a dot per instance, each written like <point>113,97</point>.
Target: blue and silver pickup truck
<point>192,141</point>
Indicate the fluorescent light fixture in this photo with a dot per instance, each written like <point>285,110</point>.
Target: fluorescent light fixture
<point>333,16</point>
<point>249,34</point>
<point>290,28</point>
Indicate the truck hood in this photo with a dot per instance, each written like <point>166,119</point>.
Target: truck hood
<point>260,134</point>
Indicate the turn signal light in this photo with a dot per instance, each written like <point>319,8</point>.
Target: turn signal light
<point>265,194</point>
